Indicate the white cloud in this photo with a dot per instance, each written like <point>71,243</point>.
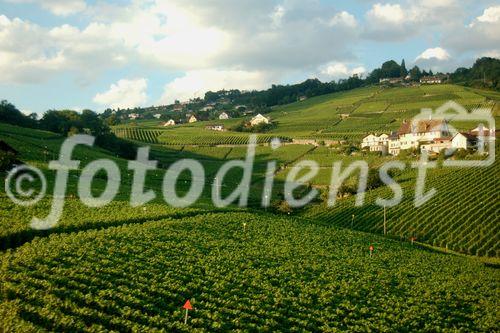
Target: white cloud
<point>124,94</point>
<point>490,15</point>
<point>340,71</point>
<point>401,21</point>
<point>480,36</point>
<point>437,53</point>
<point>344,18</point>
<point>58,7</point>
<point>196,83</point>
<point>382,13</point>
<point>30,53</point>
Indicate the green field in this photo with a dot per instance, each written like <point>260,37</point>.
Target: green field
<point>123,268</point>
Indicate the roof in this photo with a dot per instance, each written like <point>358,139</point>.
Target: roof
<point>468,136</point>
<point>422,126</point>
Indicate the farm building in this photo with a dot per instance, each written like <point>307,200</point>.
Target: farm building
<point>376,143</point>
<point>436,145</point>
<point>192,119</point>
<point>259,119</point>
<point>171,122</point>
<point>134,116</point>
<point>157,115</point>
<point>411,135</point>
<point>223,116</point>
<point>464,141</point>
<point>392,80</point>
<point>219,128</point>
<point>431,79</point>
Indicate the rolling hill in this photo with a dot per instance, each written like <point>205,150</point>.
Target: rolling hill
<point>123,268</point>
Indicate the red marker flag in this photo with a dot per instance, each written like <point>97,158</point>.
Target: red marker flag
<point>187,305</point>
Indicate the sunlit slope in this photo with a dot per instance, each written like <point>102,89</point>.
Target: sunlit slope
<point>345,115</point>
<point>274,273</point>
<point>353,114</point>
<point>463,215</point>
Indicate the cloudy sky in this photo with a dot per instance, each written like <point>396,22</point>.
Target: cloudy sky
<point>124,53</point>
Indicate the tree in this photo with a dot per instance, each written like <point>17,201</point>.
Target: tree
<point>415,73</point>
<point>11,115</point>
<point>390,69</point>
<point>403,71</point>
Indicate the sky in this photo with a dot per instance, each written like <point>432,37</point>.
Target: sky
<point>88,54</point>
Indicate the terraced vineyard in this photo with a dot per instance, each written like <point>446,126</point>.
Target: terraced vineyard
<point>462,216</point>
<point>202,137</point>
<point>123,268</point>
<point>264,277</point>
<point>138,134</point>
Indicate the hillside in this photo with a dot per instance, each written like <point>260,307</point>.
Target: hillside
<point>364,110</point>
<point>122,268</point>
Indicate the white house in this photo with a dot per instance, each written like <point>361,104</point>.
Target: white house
<point>134,116</point>
<point>259,119</point>
<point>434,134</point>
<point>464,141</point>
<point>171,122</point>
<point>431,79</point>
<point>192,119</point>
<point>436,145</point>
<point>376,143</point>
<point>223,116</point>
<point>411,135</point>
<point>157,116</point>
<point>394,145</point>
<point>219,128</point>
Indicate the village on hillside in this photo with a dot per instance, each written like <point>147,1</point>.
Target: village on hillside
<point>431,136</point>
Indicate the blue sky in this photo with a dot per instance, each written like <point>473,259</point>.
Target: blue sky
<point>96,54</point>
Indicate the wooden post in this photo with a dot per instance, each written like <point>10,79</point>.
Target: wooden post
<point>352,221</point>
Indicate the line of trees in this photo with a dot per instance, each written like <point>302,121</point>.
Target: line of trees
<point>67,123</point>
<point>484,73</point>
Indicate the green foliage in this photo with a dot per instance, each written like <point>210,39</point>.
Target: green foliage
<point>484,73</point>
<point>9,114</point>
<point>272,273</point>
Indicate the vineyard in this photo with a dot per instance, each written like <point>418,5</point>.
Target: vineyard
<point>138,134</point>
<point>263,277</point>
<point>462,216</point>
<point>122,268</point>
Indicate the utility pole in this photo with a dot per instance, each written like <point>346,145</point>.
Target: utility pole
<point>385,221</point>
